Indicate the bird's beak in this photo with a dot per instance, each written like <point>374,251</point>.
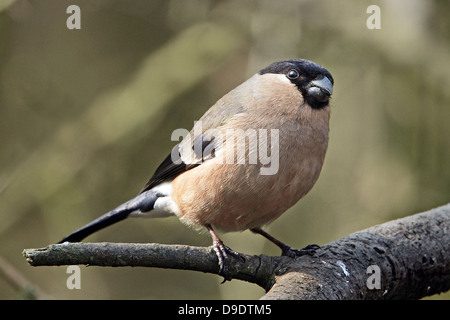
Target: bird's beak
<point>324,84</point>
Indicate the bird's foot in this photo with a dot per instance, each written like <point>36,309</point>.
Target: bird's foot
<point>223,254</point>
<point>309,250</point>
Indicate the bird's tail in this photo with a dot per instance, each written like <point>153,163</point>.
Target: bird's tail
<point>144,202</point>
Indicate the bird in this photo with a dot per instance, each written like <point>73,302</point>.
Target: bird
<point>220,176</point>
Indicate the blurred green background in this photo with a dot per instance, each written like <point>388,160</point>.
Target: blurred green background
<point>86,116</point>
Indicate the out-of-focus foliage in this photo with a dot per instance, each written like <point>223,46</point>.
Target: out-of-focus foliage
<point>86,116</point>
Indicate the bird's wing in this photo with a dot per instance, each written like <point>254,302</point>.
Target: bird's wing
<point>175,164</point>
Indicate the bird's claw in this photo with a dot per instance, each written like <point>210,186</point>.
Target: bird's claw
<point>309,250</point>
<point>223,254</point>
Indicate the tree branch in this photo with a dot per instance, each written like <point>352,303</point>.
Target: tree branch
<point>411,254</point>
<point>255,269</point>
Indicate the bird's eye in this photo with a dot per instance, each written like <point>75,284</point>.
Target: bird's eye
<point>293,74</point>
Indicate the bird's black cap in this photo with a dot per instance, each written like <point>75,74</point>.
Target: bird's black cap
<point>306,68</point>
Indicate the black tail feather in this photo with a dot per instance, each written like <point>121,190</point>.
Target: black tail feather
<point>105,220</point>
<point>144,202</point>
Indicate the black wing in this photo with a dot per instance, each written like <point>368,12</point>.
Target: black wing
<point>168,170</point>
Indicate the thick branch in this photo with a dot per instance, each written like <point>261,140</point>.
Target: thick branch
<point>412,255</point>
